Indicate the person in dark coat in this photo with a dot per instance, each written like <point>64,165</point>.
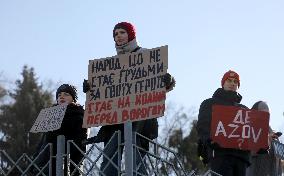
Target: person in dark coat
<point>225,161</point>
<point>124,35</point>
<point>71,127</point>
<point>264,162</point>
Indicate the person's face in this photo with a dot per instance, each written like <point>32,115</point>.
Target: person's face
<point>64,97</point>
<point>120,36</point>
<point>231,84</point>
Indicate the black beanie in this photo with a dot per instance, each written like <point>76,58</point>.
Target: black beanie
<point>68,89</point>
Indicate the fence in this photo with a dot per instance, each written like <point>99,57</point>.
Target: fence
<point>129,159</point>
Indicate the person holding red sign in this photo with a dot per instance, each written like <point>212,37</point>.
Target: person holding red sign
<point>224,161</point>
<point>124,35</point>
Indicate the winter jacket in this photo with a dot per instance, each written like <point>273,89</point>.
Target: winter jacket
<point>71,127</point>
<point>220,97</point>
<point>147,128</point>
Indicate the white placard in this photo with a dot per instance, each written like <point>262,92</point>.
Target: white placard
<point>49,119</point>
<point>126,87</point>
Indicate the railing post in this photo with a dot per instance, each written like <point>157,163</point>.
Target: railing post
<point>50,158</point>
<point>128,148</point>
<point>119,152</point>
<point>60,155</point>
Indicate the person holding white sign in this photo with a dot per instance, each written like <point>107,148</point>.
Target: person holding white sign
<point>124,35</point>
<point>71,126</point>
<point>224,161</point>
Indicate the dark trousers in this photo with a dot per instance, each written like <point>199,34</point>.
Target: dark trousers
<point>228,166</point>
<point>112,150</point>
<point>76,157</point>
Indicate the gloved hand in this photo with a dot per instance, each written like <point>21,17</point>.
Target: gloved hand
<point>214,145</point>
<point>86,86</point>
<point>91,140</point>
<point>202,152</point>
<point>169,81</point>
<point>200,147</point>
<point>262,151</point>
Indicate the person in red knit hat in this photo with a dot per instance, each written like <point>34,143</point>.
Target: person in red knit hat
<point>224,161</point>
<point>231,76</point>
<point>124,35</point>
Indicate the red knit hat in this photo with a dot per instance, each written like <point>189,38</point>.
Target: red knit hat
<point>129,29</point>
<point>230,74</point>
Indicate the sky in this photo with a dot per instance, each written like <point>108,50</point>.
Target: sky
<point>206,38</point>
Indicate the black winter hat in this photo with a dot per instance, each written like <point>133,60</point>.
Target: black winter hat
<point>68,89</point>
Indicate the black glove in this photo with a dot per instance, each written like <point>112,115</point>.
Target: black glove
<point>215,145</point>
<point>262,151</point>
<point>86,86</point>
<point>202,152</point>
<point>200,148</point>
<point>91,140</point>
<point>168,80</point>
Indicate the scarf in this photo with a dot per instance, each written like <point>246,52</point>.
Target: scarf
<point>126,48</point>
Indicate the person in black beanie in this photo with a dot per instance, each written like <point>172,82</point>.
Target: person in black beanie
<point>124,35</point>
<point>71,127</point>
<point>224,161</point>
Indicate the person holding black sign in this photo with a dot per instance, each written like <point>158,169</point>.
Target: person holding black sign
<point>224,161</point>
<point>71,128</point>
<point>124,35</point>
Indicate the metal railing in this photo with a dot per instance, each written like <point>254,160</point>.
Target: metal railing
<point>158,160</point>
<point>27,165</point>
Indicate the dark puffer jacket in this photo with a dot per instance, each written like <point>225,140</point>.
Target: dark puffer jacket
<point>220,97</point>
<point>71,128</point>
<point>147,128</point>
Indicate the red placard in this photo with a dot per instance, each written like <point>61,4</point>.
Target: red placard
<point>235,127</point>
